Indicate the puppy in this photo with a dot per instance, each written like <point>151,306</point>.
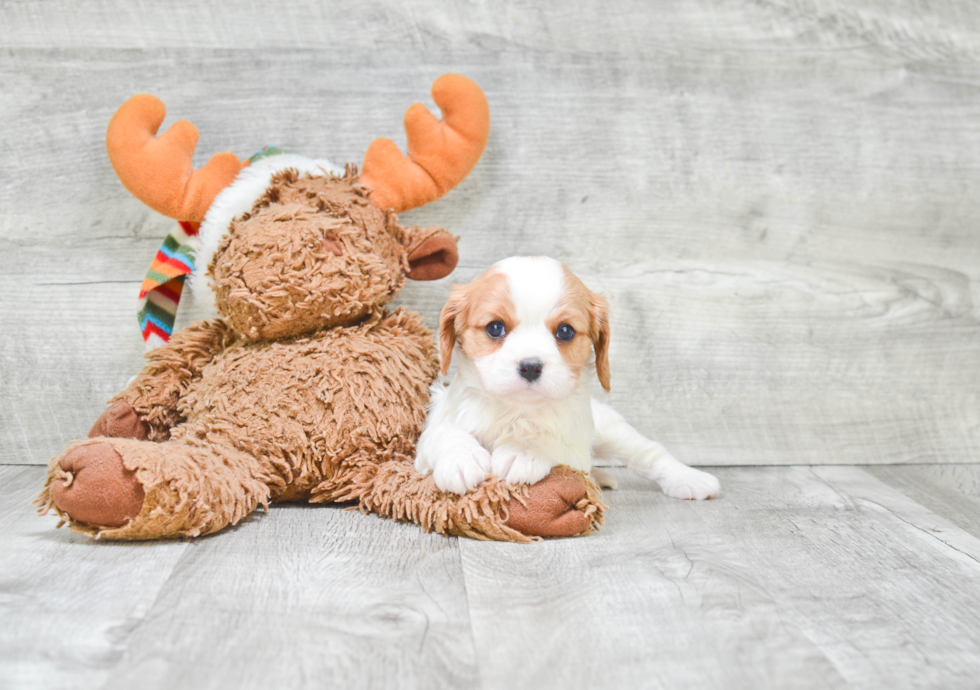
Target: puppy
<point>518,406</point>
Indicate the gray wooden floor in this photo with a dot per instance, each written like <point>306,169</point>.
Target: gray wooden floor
<point>797,577</point>
<point>778,197</point>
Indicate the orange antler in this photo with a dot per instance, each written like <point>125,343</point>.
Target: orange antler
<point>158,170</point>
<point>440,153</point>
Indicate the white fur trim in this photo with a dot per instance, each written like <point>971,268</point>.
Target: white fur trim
<point>236,199</point>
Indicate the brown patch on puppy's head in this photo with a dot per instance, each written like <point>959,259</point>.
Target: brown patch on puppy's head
<point>468,312</point>
<point>587,313</point>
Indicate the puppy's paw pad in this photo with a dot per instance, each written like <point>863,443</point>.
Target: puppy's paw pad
<point>691,484</point>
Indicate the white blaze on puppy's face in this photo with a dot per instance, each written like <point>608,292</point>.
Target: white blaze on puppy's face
<point>530,300</point>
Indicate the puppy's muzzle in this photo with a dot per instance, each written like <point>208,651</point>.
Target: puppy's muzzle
<point>530,369</point>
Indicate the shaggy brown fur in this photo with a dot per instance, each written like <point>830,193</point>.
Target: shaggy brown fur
<point>275,277</point>
<point>306,389</point>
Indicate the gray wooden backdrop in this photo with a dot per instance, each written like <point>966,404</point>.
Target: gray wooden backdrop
<point>777,196</point>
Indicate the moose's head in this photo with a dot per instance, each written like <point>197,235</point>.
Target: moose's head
<point>288,245</point>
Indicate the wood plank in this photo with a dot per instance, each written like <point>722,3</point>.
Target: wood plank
<point>925,29</point>
<point>308,596</point>
<point>762,363</point>
<point>870,492</point>
<point>794,578</point>
<point>68,604</point>
<point>778,199</point>
<point>717,329</point>
<point>952,491</point>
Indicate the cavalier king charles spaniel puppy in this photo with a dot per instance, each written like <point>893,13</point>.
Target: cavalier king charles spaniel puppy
<point>524,333</point>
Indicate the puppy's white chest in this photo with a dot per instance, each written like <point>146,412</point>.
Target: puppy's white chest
<point>558,433</point>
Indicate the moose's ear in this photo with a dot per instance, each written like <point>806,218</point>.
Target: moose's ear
<point>433,254</point>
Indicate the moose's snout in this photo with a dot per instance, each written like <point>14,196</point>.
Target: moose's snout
<point>530,369</point>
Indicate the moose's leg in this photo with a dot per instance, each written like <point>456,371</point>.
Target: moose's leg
<point>563,504</point>
<point>106,493</point>
<point>117,488</point>
<point>154,395</point>
<point>92,486</point>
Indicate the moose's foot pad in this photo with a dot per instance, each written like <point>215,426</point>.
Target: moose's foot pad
<point>553,508</point>
<point>120,420</point>
<point>96,488</point>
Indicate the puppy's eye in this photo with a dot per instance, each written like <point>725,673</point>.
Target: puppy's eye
<point>496,329</point>
<point>565,332</point>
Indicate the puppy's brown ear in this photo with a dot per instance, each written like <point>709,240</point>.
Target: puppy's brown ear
<point>451,313</point>
<point>599,332</point>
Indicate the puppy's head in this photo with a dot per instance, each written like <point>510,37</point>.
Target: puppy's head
<point>529,326</point>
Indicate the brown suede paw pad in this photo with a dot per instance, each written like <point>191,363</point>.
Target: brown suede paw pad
<point>95,488</point>
<point>553,506</point>
<point>120,420</point>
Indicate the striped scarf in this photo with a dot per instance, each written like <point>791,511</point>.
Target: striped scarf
<point>161,289</point>
<point>160,292</point>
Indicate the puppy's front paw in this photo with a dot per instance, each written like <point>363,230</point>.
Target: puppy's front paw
<point>604,478</point>
<point>458,462</point>
<point>516,465</point>
<point>688,483</point>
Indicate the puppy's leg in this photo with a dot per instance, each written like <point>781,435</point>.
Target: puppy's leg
<point>604,478</point>
<point>615,438</point>
<point>457,460</point>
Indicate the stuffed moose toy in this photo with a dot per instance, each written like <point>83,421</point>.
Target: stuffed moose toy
<point>304,388</point>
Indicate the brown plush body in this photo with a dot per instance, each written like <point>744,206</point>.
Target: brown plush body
<point>306,389</point>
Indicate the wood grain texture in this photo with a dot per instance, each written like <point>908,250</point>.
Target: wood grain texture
<point>930,30</point>
<point>308,597</point>
<point>303,597</point>
<point>778,197</point>
<point>952,491</point>
<point>796,577</point>
<point>68,605</point>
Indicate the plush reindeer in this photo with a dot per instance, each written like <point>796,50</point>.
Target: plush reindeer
<point>304,388</point>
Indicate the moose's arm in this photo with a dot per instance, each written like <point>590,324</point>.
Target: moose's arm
<point>156,391</point>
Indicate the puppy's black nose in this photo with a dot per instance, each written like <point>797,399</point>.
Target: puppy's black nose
<point>530,369</point>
